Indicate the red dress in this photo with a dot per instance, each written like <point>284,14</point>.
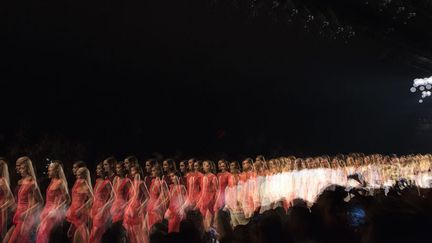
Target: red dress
<point>223,183</point>
<point>25,220</point>
<point>248,192</point>
<point>54,211</point>
<point>231,194</point>
<point>121,196</point>
<point>100,212</point>
<point>5,195</point>
<point>167,180</point>
<point>194,188</point>
<point>157,203</point>
<point>148,181</point>
<point>134,215</point>
<point>208,194</point>
<point>174,213</point>
<point>78,213</point>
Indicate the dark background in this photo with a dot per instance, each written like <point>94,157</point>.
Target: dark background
<point>87,79</point>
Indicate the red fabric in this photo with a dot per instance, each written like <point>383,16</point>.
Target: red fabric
<point>77,214</point>
<point>24,221</point>
<point>157,203</point>
<point>4,192</point>
<point>134,215</point>
<point>247,194</point>
<point>100,211</point>
<point>194,180</point>
<point>208,194</point>
<point>174,213</point>
<point>223,183</point>
<point>53,213</point>
<point>122,194</point>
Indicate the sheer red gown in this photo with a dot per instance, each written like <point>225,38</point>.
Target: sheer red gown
<point>134,216</point>
<point>100,212</point>
<point>78,213</point>
<point>207,200</point>
<point>194,180</point>
<point>248,193</point>
<point>157,202</point>
<point>174,213</point>
<point>223,183</point>
<point>6,201</point>
<point>122,193</point>
<point>26,214</point>
<point>148,181</point>
<point>54,211</point>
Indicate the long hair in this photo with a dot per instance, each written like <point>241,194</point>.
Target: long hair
<point>60,173</point>
<point>26,161</point>
<point>86,177</point>
<point>212,166</point>
<point>4,171</point>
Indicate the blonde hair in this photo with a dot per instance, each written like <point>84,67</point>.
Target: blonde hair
<point>84,171</point>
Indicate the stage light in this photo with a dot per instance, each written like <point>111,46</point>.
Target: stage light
<point>422,84</point>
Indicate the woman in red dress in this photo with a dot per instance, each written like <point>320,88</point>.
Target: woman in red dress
<point>78,213</point>
<point>209,188</point>
<point>128,163</point>
<point>57,197</point>
<point>7,200</point>
<point>147,171</point>
<point>122,191</point>
<point>183,171</point>
<point>109,168</point>
<point>177,195</point>
<point>248,189</point>
<point>194,180</point>
<point>232,196</point>
<point>222,177</point>
<point>102,201</point>
<point>134,216</point>
<point>29,203</point>
<point>158,200</point>
<point>168,166</point>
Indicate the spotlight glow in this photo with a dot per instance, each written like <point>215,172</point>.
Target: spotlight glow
<point>423,85</point>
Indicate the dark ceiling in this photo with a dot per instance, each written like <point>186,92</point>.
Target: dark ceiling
<point>213,78</point>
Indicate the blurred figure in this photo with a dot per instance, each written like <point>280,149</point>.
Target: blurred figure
<point>222,178</point>
<point>102,201</point>
<point>29,203</point>
<point>128,163</point>
<point>134,216</point>
<point>78,213</point>
<point>168,166</point>
<point>7,200</point>
<point>158,198</point>
<point>209,188</point>
<point>177,195</point>
<point>57,199</point>
<point>109,168</point>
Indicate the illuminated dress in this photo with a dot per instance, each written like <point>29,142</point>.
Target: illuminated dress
<point>54,211</point>
<point>122,193</point>
<point>100,212</point>
<point>7,202</point>
<point>26,214</point>
<point>175,213</point>
<point>223,183</point>
<point>134,216</point>
<point>78,213</point>
<point>157,202</point>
